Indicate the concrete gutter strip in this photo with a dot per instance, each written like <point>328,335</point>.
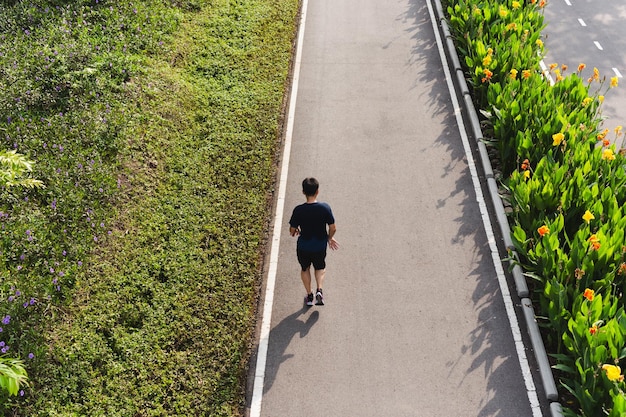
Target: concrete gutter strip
<point>540,352</point>
<point>538,347</point>
<point>520,281</point>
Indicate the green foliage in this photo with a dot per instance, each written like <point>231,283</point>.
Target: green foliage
<point>12,375</point>
<point>566,185</point>
<point>13,167</point>
<point>131,279</point>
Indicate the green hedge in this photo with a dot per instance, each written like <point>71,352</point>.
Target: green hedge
<point>565,181</point>
<point>130,280</point>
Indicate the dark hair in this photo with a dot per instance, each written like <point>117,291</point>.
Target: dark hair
<point>310,186</point>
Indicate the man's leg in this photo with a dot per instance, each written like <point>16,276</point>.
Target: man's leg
<point>306,279</point>
<point>319,278</point>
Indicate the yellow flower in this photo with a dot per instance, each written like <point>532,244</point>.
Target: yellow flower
<point>608,154</point>
<point>596,74</point>
<point>543,230</point>
<point>526,174</point>
<point>486,61</point>
<point>613,373</point>
<point>618,130</point>
<point>516,5</point>
<point>539,43</point>
<point>511,26</point>
<point>557,138</point>
<point>503,12</point>
<point>613,81</point>
<point>601,99</point>
<point>477,11</point>
<point>588,294</point>
<point>586,101</point>
<point>559,77</point>
<point>513,74</point>
<point>588,216</point>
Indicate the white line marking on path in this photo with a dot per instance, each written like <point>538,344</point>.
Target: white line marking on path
<point>616,71</point>
<point>582,22</point>
<point>568,2</point>
<point>495,255</point>
<point>597,44</point>
<point>259,374</point>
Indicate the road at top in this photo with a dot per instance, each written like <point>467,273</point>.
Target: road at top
<point>591,32</point>
<point>415,324</point>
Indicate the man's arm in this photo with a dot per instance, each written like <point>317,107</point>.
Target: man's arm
<point>293,231</point>
<point>332,243</point>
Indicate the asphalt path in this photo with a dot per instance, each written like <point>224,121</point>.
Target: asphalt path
<point>415,323</point>
<point>591,32</point>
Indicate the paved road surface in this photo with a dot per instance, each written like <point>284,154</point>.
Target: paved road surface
<point>591,32</point>
<point>415,324</point>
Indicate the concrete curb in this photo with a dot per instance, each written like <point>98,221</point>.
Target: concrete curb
<point>475,132</point>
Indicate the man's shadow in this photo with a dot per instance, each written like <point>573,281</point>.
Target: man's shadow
<point>280,338</point>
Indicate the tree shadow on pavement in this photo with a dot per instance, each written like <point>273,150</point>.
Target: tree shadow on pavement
<point>280,337</point>
<point>489,346</point>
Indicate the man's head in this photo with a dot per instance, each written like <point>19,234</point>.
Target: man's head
<point>310,186</point>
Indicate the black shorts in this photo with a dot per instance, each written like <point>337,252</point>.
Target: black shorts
<point>305,258</point>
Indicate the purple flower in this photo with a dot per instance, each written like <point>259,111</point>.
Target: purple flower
<point>54,205</point>
<point>18,293</point>
<point>31,355</point>
<point>6,319</point>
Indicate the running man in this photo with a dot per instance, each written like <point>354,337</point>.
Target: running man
<point>308,221</point>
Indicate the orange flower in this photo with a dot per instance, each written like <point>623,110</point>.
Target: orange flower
<point>553,66</point>
<point>595,242</point>
<point>543,230</point>
<point>602,134</point>
<point>488,75</point>
<point>593,329</point>
<point>622,268</point>
<point>526,74</point>
<point>606,142</point>
<point>563,67</point>
<point>588,294</point>
<point>525,165</point>
<point>581,67</point>
<point>542,3</point>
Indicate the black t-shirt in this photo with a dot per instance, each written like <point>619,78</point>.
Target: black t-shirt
<point>312,219</point>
